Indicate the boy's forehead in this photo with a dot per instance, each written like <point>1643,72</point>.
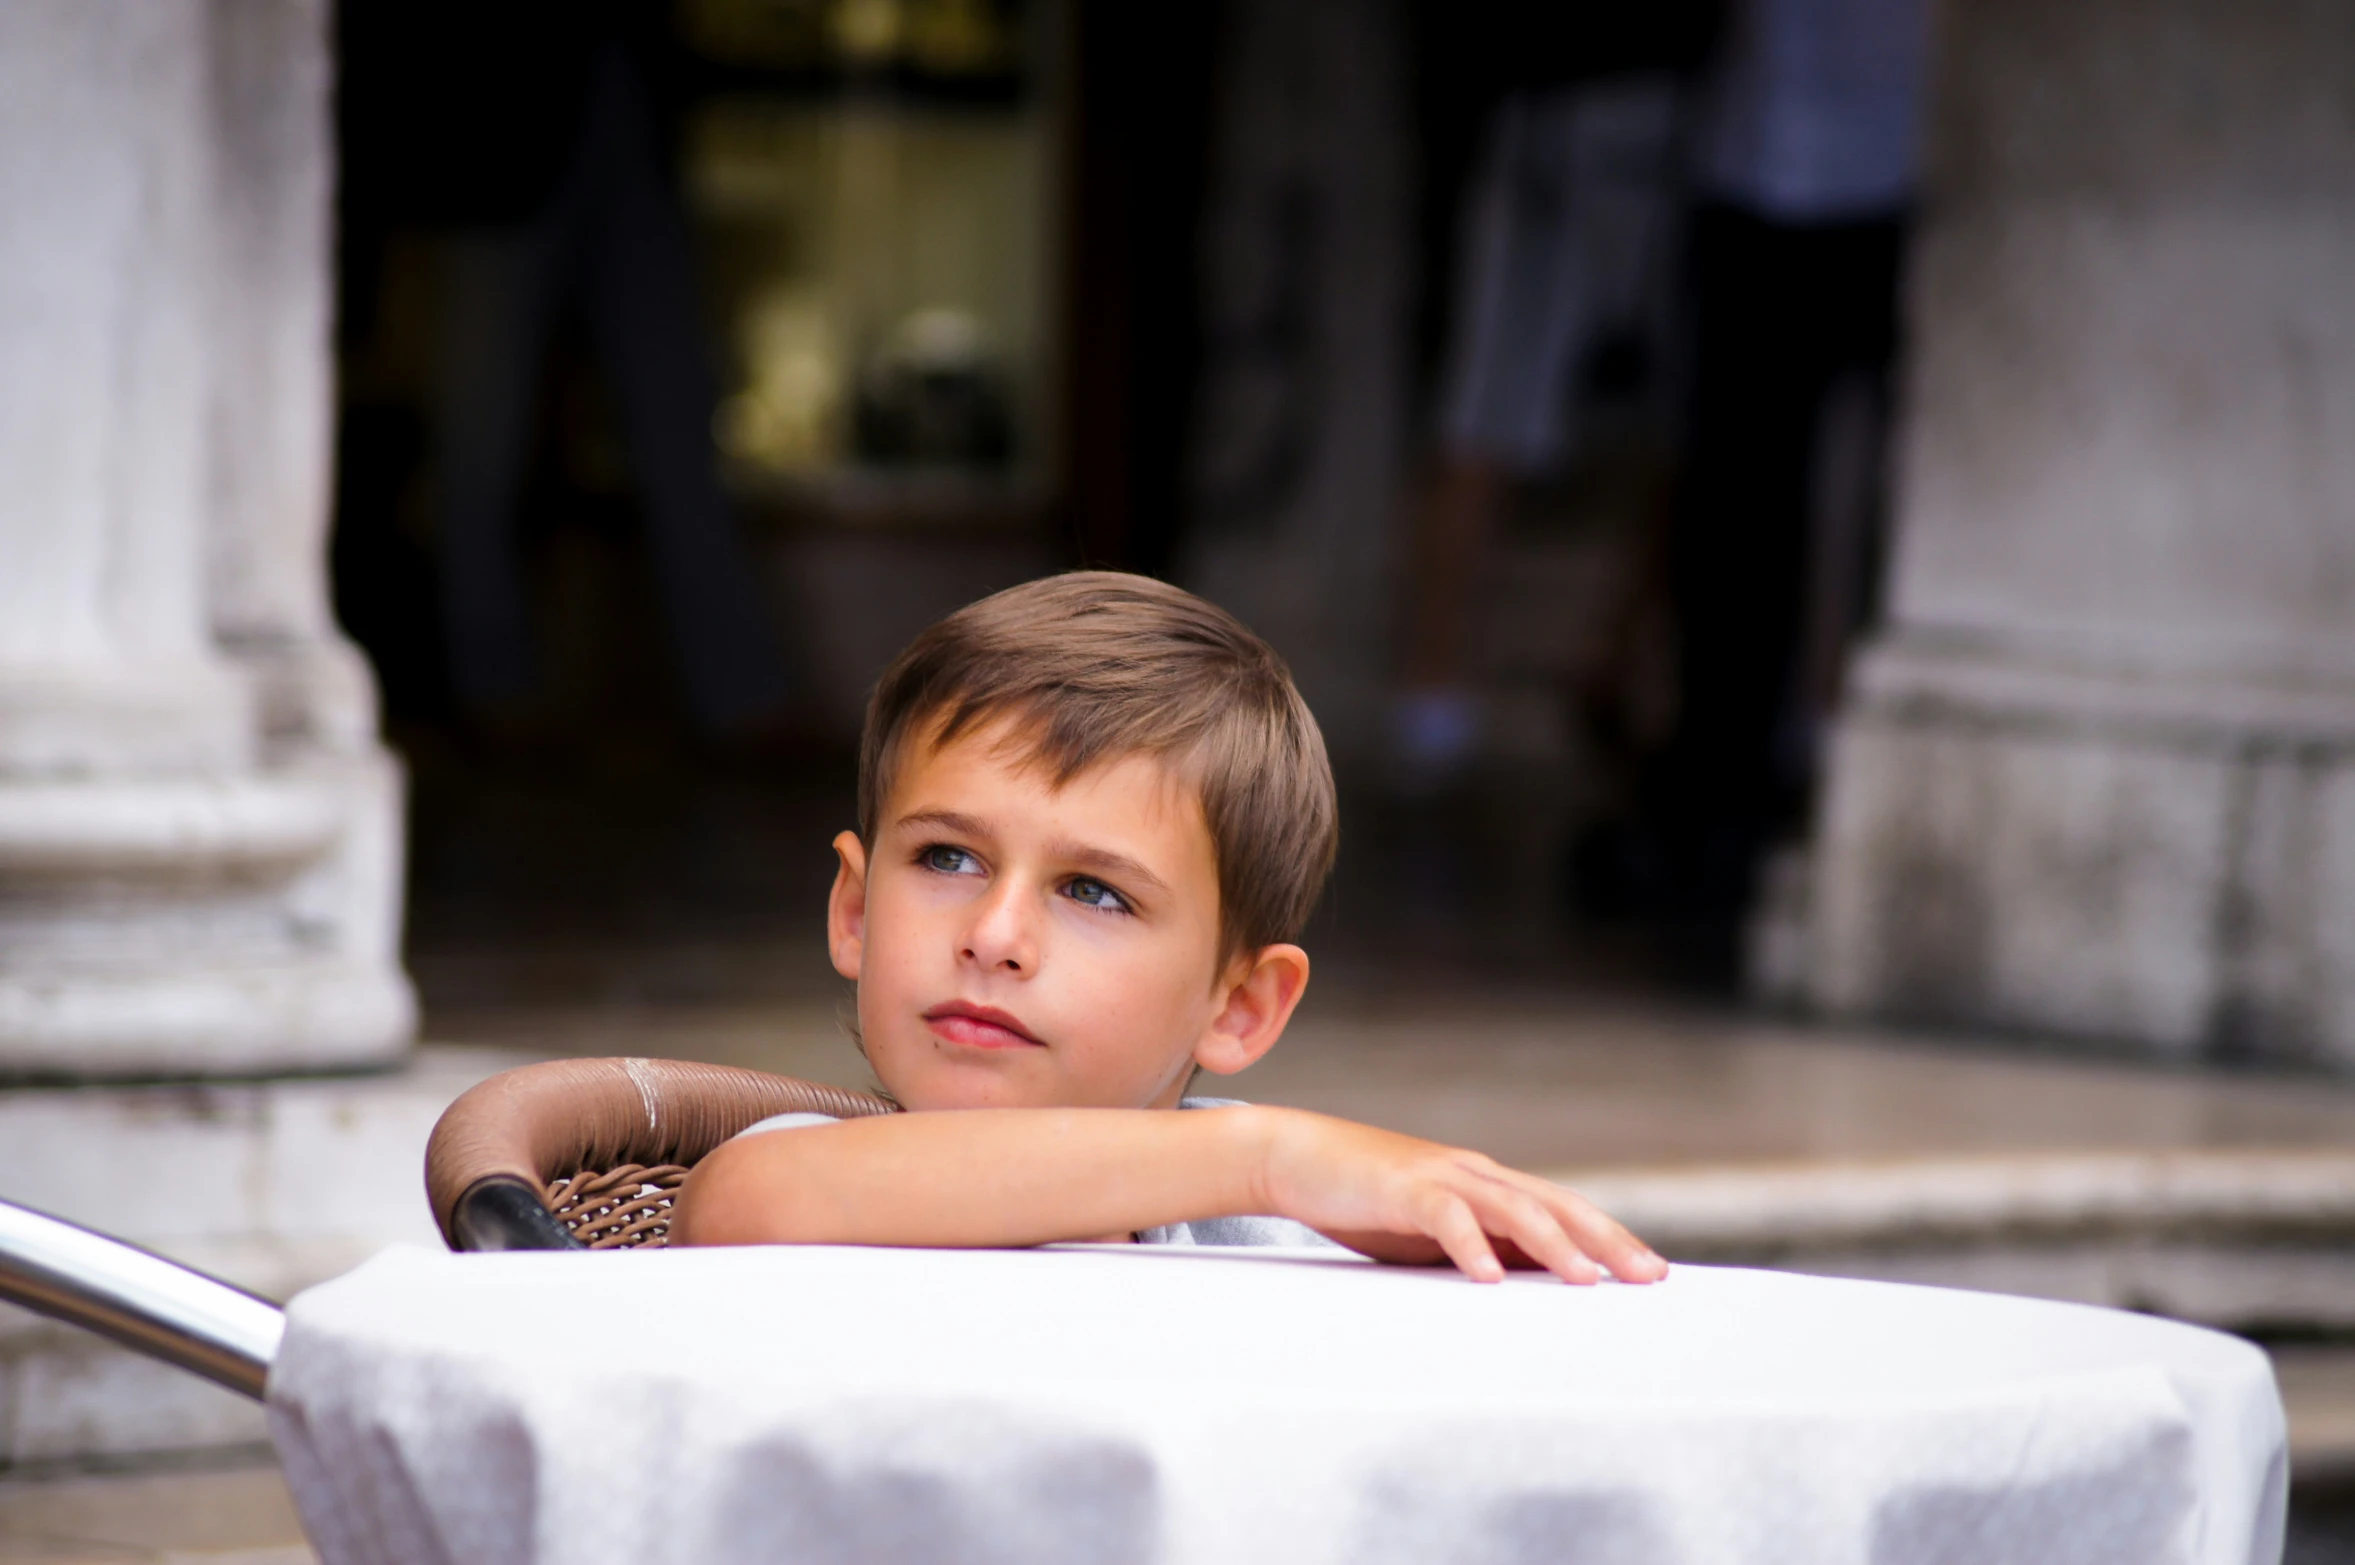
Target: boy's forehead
<point>1007,750</point>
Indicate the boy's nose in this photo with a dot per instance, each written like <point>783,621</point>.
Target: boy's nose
<point>1000,937</point>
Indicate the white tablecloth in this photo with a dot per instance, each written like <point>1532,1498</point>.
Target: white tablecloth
<point>1116,1406</point>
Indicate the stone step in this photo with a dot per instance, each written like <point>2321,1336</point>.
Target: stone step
<point>178,828</point>
<point>213,1016</point>
<point>2243,1239</point>
<point>214,924</point>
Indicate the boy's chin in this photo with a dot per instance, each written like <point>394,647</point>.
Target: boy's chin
<point>969,1089</point>
<point>929,1076</point>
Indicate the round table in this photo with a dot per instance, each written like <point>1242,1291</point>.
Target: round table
<point>1117,1405</point>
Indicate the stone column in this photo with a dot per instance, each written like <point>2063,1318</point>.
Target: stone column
<point>199,834</point>
<point>2097,774</point>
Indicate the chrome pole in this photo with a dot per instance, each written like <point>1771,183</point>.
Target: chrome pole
<point>148,1304</point>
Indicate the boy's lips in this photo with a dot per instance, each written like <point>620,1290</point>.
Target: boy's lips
<point>980,1027</point>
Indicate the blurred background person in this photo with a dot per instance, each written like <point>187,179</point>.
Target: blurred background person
<point>1551,143</point>
<point>1806,151</point>
<point>529,133</point>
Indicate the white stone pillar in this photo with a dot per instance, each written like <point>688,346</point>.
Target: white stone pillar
<point>273,400</point>
<point>199,834</point>
<point>2097,775</point>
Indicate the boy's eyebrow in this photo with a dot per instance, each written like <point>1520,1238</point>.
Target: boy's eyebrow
<point>946,820</point>
<point>1116,866</point>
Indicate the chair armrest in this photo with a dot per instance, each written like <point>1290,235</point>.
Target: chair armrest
<point>500,1213</point>
<point>148,1304</point>
<point>525,1128</point>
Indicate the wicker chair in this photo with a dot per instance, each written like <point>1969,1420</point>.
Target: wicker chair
<point>588,1154</point>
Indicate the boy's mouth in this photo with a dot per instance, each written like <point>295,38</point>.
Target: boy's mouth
<point>979,1027</point>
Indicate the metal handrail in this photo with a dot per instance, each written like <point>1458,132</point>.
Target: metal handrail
<point>143,1301</point>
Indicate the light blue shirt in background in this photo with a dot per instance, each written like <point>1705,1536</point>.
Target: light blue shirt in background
<point>1814,113</point>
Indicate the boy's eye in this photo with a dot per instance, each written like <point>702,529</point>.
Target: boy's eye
<point>945,860</point>
<point>1094,893</point>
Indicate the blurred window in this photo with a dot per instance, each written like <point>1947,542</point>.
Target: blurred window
<point>873,186</point>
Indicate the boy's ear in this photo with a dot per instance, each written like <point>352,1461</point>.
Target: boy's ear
<point>846,908</point>
<point>1262,988</point>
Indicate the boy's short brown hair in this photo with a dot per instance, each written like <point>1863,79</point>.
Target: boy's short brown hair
<point>1097,665</point>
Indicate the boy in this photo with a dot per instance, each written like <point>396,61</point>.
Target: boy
<point>1093,815</point>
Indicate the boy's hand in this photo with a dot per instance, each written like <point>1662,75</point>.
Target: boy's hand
<point>1397,1198</point>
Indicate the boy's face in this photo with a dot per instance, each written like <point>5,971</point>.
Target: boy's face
<point>1018,945</point>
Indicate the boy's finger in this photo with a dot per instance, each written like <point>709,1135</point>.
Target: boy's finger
<point>1585,1229</point>
<point>1592,1229</point>
<point>1459,1233</point>
<point>1603,1238</point>
<point>1533,1226</point>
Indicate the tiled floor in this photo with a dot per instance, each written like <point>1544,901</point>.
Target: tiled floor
<point>233,1514</point>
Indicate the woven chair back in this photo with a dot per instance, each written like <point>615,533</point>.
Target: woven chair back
<point>604,1144</point>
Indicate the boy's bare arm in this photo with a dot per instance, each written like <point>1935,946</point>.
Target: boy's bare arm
<point>1004,1177</point>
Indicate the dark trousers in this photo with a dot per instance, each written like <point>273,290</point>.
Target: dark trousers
<point>612,240</point>
<point>1781,313</point>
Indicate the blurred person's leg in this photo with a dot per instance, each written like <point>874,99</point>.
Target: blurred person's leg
<point>642,301</point>
<point>497,295</point>
<point>1517,321</point>
<point>1847,489</point>
<point>1436,722</point>
<point>1780,311</point>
